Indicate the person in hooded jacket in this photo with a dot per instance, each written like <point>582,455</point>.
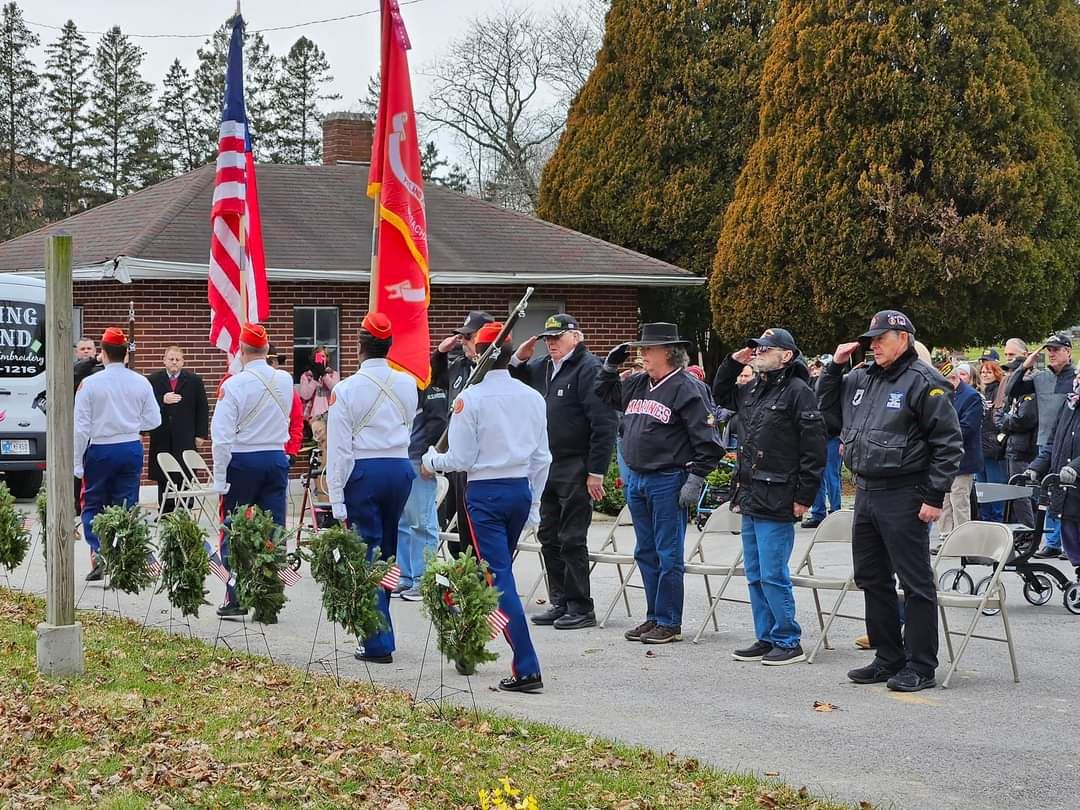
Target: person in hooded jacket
<point>781,457</point>
<point>1018,421</point>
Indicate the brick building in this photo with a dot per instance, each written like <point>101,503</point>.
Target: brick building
<point>151,249</point>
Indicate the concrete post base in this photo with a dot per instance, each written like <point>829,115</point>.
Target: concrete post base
<point>60,649</point>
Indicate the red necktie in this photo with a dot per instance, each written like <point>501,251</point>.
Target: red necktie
<point>172,382</point>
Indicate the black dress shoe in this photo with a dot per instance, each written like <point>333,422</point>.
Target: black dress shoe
<point>575,621</point>
<point>549,616</point>
<point>464,670</point>
<point>373,659</point>
<point>872,673</point>
<point>230,610</point>
<point>1046,553</point>
<point>523,683</point>
<point>97,573</point>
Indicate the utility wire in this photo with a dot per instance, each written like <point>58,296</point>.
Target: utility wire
<point>251,31</point>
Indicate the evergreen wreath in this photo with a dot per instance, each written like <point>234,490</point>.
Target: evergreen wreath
<point>125,547</point>
<point>459,611</point>
<point>256,554</point>
<point>184,564</point>
<point>14,537</point>
<point>350,582</point>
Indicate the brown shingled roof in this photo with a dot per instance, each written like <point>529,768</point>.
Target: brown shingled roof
<point>318,219</point>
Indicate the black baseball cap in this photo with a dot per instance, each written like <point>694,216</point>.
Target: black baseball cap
<point>1060,339</point>
<point>557,324</point>
<point>991,355</point>
<point>473,321</point>
<point>888,320</point>
<point>776,338</point>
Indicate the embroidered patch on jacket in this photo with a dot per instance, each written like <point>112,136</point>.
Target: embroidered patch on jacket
<point>855,400</point>
<point>649,407</point>
<point>459,405</point>
<point>895,400</point>
<point>936,392</point>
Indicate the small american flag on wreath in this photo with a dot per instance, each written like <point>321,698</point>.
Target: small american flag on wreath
<point>497,620</point>
<point>391,579</point>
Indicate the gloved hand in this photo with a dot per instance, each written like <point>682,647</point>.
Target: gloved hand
<point>534,517</point>
<point>426,460</point>
<point>617,356</point>
<point>1067,475</point>
<point>221,487</point>
<point>338,510</point>
<point>691,491</point>
<point>1031,475</point>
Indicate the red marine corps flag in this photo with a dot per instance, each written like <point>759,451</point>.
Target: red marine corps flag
<point>399,266</point>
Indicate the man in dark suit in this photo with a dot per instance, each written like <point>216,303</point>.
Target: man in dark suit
<point>185,416</point>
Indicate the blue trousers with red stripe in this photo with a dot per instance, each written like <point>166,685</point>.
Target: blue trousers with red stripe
<point>255,479</point>
<point>498,510</point>
<point>111,474</point>
<point>375,496</point>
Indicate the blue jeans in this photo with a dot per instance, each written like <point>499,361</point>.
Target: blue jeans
<point>660,529</point>
<point>418,529</point>
<point>767,548</point>
<point>1052,528</point>
<point>994,471</point>
<point>830,483</point>
<point>624,471</point>
<point>110,477</point>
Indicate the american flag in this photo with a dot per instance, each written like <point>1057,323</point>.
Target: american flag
<point>391,579</point>
<point>216,567</point>
<point>497,621</point>
<point>153,566</point>
<point>237,290</point>
<point>288,576</point>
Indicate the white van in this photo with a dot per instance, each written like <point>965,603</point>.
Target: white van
<point>22,383</point>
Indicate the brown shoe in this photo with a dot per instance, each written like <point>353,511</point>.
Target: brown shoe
<point>662,635</point>
<point>863,642</point>
<point>639,631</point>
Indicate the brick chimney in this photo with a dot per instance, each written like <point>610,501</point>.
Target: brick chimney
<point>346,138</point>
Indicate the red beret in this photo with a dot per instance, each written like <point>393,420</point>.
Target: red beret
<point>114,336</point>
<point>697,371</point>
<point>377,324</point>
<point>489,332</point>
<point>252,334</point>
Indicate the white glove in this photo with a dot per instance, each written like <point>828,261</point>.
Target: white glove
<point>1067,475</point>
<point>79,472</point>
<point>221,487</point>
<point>339,511</point>
<point>534,517</point>
<point>428,456</point>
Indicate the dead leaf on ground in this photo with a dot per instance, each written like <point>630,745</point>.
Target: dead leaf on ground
<point>650,654</point>
<point>822,706</point>
<point>766,800</point>
<point>772,773</point>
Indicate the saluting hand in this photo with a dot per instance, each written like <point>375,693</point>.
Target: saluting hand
<point>743,355</point>
<point>595,485</point>
<point>449,344</point>
<point>844,351</point>
<point>525,351</point>
<point>617,356</point>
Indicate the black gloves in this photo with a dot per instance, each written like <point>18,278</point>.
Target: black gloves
<point>617,356</point>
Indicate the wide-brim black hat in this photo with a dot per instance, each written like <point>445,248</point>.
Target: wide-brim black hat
<point>660,334</point>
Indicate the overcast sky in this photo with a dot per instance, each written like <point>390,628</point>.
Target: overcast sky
<point>351,46</point>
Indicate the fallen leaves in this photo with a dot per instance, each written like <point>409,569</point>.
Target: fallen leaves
<point>822,706</point>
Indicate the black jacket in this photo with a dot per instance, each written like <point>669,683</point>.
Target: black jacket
<point>430,421</point>
<point>180,423</point>
<point>898,424</point>
<point>667,425</point>
<point>84,368</point>
<point>1062,450</point>
<point>782,441</point>
<point>1018,419</point>
<point>581,426</point>
<point>450,371</point>
<point>992,449</point>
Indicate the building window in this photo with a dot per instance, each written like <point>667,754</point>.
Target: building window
<point>533,323</point>
<point>314,326</point>
<point>77,324</point>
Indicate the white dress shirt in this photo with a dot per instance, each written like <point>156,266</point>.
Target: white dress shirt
<point>111,407</point>
<point>251,415</point>
<point>371,415</point>
<point>498,430</point>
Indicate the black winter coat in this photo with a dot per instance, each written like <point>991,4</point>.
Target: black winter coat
<point>450,371</point>
<point>1018,419</point>
<point>581,427</point>
<point>1062,450</point>
<point>782,441</point>
<point>180,423</point>
<point>992,449</point>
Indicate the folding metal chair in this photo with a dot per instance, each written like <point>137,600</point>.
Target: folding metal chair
<point>617,558</point>
<point>189,496</point>
<point>722,531</point>
<point>528,543</point>
<point>835,529</point>
<point>993,542</point>
<point>199,472</point>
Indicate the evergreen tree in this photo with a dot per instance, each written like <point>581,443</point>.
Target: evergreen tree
<point>209,81</point>
<point>370,102</point>
<point>181,137</point>
<point>304,76</point>
<point>124,149</point>
<point>432,165</point>
<point>656,137</point>
<point>20,125</point>
<point>260,89</point>
<point>908,157</point>
<point>66,96</point>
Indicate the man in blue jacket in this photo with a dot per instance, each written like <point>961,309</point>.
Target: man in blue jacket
<point>969,410</point>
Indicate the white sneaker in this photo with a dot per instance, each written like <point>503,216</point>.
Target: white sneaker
<point>412,594</point>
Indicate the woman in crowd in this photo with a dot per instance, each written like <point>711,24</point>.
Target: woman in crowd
<point>994,469</point>
<point>316,384</point>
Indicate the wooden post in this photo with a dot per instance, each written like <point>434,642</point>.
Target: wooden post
<point>59,642</point>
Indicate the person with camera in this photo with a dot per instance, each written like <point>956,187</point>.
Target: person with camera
<point>901,439</point>
<point>781,458</point>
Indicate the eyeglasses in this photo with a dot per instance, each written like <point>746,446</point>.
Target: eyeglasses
<point>762,350</point>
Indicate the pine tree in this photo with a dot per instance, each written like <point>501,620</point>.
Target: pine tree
<point>908,157</point>
<point>20,125</point>
<point>209,81</point>
<point>181,137</point>
<point>656,137</point>
<point>260,88</point>
<point>304,76</point>
<point>66,96</point>
<point>432,164</point>
<point>124,140</point>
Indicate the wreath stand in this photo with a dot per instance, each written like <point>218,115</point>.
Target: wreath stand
<point>438,696</point>
<point>38,533</point>
<point>330,663</point>
<point>103,611</point>
<point>163,622</point>
<point>246,631</point>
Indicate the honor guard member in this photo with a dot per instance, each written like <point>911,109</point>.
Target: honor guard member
<point>670,443</point>
<point>498,439</point>
<point>111,409</point>
<point>249,430</point>
<point>581,435</point>
<point>451,364</point>
<point>368,472</point>
<point>902,440</point>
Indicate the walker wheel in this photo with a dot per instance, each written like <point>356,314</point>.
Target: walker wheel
<point>956,579</point>
<point>292,559</point>
<point>1038,590</point>
<point>1072,599</point>
<point>980,589</point>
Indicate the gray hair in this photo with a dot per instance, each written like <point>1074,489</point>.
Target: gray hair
<point>1018,344</point>
<point>678,357</point>
<point>963,368</point>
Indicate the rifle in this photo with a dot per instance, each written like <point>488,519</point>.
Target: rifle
<point>131,335</point>
<point>490,355</point>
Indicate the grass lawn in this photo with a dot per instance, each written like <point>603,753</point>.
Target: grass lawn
<point>162,721</point>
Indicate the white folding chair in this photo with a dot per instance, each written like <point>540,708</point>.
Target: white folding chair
<point>994,542</point>
<point>189,495</point>
<point>609,554</point>
<point>721,531</point>
<point>529,544</point>
<point>834,530</point>
<point>442,488</point>
<point>199,472</point>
